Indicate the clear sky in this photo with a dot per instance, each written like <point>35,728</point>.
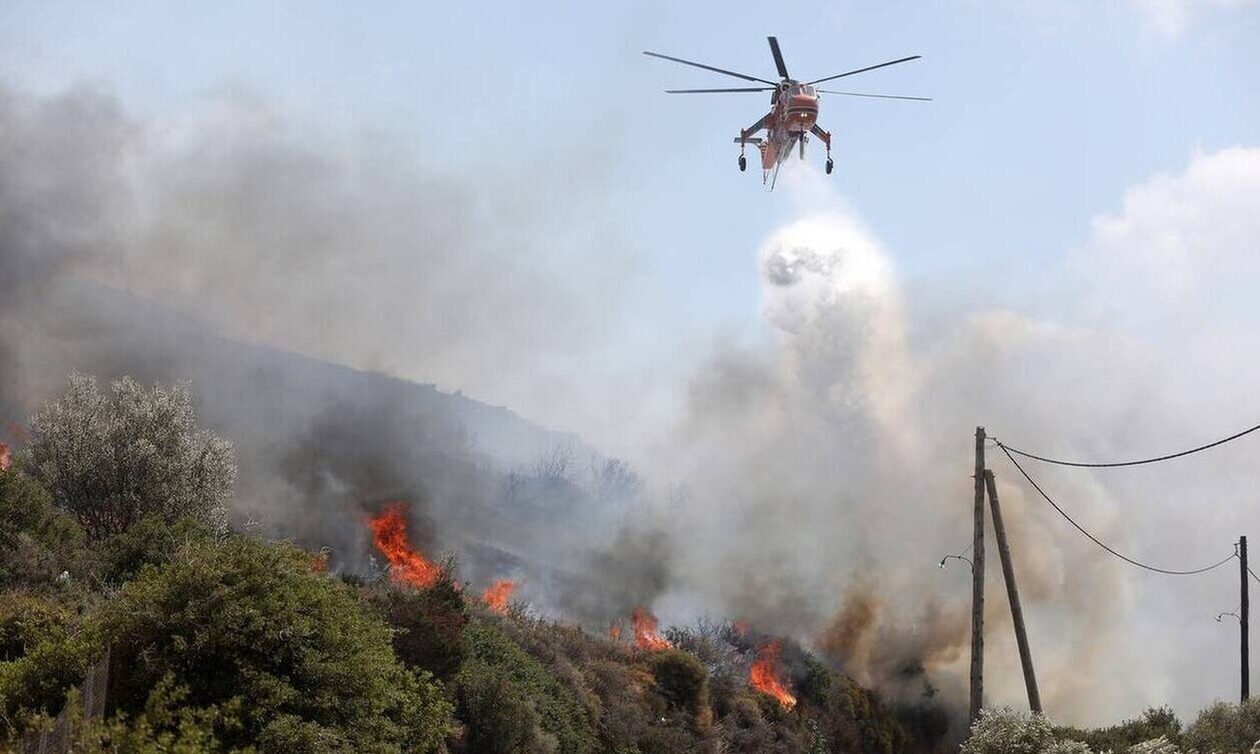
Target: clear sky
<point>1068,230</point>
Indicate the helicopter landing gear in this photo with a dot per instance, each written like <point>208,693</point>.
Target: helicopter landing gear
<point>743,163</point>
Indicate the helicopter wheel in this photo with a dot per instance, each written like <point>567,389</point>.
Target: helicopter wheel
<point>830,165</point>
<point>743,163</point>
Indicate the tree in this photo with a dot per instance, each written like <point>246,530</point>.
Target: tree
<point>240,620</point>
<point>1005,731</point>
<point>109,460</point>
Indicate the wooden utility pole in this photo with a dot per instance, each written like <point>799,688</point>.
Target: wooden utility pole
<point>1012,595</point>
<point>977,585</point>
<point>1243,612</point>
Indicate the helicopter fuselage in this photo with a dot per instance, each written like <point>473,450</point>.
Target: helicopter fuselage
<point>794,112</point>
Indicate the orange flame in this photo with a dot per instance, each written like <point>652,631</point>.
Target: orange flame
<point>389,532</point>
<point>498,594</point>
<point>765,678</point>
<point>319,562</point>
<point>614,631</point>
<point>5,457</point>
<point>645,635</point>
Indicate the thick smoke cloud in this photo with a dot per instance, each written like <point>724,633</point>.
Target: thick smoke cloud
<point>192,249</point>
<point>831,468</point>
<point>336,247</point>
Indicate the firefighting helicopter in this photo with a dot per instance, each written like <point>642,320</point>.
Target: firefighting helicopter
<point>793,113</point>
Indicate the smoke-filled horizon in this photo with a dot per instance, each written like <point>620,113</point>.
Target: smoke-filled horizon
<point>818,473</point>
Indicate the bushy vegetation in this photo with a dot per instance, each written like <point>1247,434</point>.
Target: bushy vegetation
<point>113,540</point>
<point>1153,724</point>
<point>561,719</point>
<point>428,623</point>
<point>1221,728</point>
<point>239,622</point>
<point>110,459</point>
<point>682,680</point>
<point>1005,731</point>
<point>1225,727</point>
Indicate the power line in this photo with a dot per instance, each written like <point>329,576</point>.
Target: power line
<point>1116,464</point>
<point>1100,543</point>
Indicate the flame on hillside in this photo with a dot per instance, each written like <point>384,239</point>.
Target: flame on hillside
<point>5,457</point>
<point>498,594</point>
<point>389,534</point>
<point>645,635</point>
<point>764,676</point>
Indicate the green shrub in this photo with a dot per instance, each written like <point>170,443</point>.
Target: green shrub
<point>36,684</point>
<point>428,623</point>
<point>1154,723</point>
<point>151,540</point>
<point>681,679</point>
<point>816,682</point>
<point>37,543</point>
<point>498,717</point>
<point>27,620</point>
<point>559,714</point>
<point>1225,727</point>
<point>165,726</point>
<point>244,621</point>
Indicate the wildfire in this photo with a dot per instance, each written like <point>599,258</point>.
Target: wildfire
<point>614,631</point>
<point>5,457</point>
<point>645,635</point>
<point>498,594</point>
<point>764,677</point>
<point>389,533</point>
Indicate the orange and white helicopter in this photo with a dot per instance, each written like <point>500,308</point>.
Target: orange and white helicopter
<point>793,110</point>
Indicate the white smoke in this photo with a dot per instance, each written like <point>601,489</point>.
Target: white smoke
<point>837,456</point>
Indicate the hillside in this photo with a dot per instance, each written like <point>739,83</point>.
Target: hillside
<point>318,443</point>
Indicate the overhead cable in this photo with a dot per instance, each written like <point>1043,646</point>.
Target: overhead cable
<point>1115,464</point>
<point>1100,543</point>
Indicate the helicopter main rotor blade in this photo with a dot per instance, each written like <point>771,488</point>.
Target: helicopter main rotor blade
<point>778,57</point>
<point>743,76</point>
<point>879,96</point>
<point>720,91</point>
<point>864,70</point>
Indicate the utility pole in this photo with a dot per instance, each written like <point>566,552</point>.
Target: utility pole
<point>1242,618</point>
<point>1012,595</point>
<point>977,585</point>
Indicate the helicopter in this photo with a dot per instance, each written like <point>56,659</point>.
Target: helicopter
<point>793,115</point>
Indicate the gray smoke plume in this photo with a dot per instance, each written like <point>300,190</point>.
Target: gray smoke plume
<point>192,249</point>
<point>831,468</point>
